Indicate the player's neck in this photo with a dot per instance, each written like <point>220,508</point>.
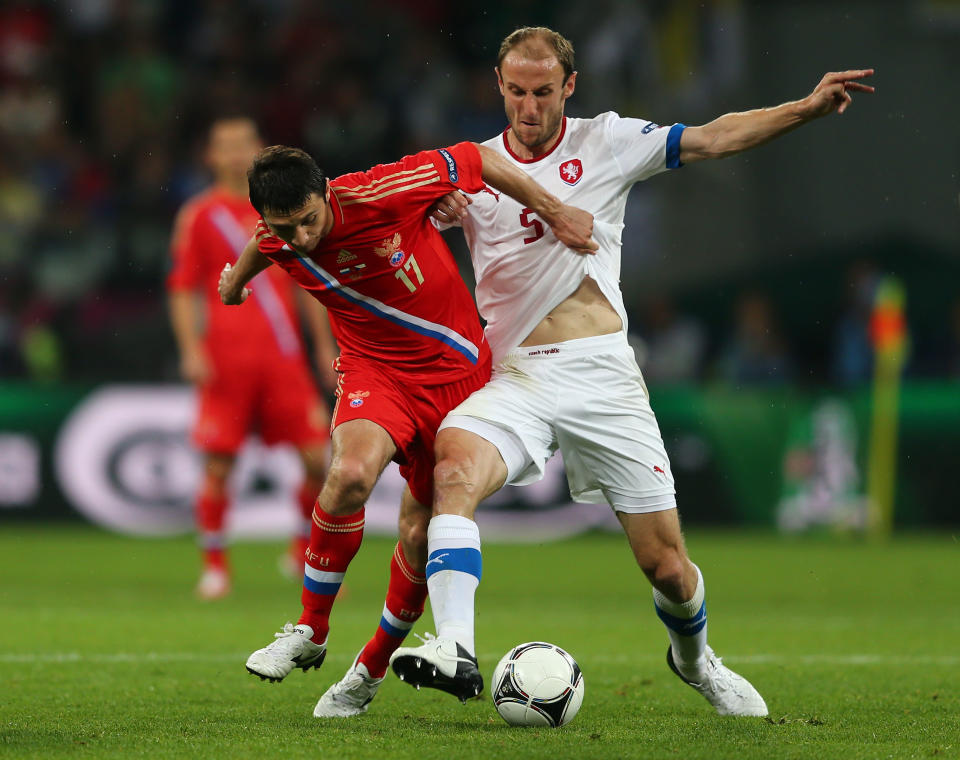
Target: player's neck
<point>530,153</point>
<point>237,189</point>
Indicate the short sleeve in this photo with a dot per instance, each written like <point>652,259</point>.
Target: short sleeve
<point>643,148</point>
<point>461,166</point>
<point>186,253</point>
<point>409,186</point>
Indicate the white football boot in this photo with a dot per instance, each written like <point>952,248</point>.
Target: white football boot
<point>290,649</point>
<point>349,696</point>
<point>729,693</point>
<point>439,664</point>
<point>214,583</point>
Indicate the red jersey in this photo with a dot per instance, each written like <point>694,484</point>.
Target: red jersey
<point>390,284</point>
<point>211,230</point>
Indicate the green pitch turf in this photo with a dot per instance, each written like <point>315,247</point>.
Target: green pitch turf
<point>856,647</point>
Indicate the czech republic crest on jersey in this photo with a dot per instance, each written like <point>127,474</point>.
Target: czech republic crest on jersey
<point>523,271</point>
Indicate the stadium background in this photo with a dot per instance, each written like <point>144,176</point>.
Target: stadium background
<point>748,281</point>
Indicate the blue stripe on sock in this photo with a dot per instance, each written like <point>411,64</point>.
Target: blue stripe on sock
<point>397,633</point>
<point>684,626</point>
<point>463,560</point>
<point>315,587</point>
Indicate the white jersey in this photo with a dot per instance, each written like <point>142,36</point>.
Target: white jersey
<point>522,270</point>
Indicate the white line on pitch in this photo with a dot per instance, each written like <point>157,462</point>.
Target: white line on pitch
<point>849,659</point>
<point>137,657</point>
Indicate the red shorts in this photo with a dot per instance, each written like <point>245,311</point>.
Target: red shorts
<point>408,411</point>
<point>272,395</point>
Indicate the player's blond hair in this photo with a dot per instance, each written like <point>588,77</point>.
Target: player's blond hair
<point>559,45</point>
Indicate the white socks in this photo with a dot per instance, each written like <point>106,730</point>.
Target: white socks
<point>686,624</point>
<point>453,574</point>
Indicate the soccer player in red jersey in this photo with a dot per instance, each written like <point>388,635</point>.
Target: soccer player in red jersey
<point>248,365</point>
<point>411,349</point>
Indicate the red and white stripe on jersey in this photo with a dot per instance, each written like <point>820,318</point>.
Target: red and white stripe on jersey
<point>211,229</point>
<point>284,329</point>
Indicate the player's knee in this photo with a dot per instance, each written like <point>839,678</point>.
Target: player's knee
<point>666,572</point>
<point>215,479</point>
<point>215,484</point>
<point>452,472</point>
<point>349,483</point>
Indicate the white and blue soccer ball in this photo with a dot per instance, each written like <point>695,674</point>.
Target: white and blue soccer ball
<point>537,684</point>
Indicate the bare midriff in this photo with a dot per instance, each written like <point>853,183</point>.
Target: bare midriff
<point>584,313</point>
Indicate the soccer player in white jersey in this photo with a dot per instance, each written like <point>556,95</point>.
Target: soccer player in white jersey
<point>564,376</point>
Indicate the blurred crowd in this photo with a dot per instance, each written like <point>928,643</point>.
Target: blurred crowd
<point>103,113</point>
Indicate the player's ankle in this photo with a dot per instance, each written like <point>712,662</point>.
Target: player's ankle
<point>691,670</point>
<point>375,672</point>
<point>317,629</point>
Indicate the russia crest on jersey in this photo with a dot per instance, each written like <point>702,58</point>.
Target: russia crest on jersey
<point>571,171</point>
<point>391,247</point>
<point>357,397</point>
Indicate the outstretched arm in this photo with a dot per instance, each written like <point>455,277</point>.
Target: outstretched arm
<point>736,132</point>
<point>233,280</point>
<point>572,226</point>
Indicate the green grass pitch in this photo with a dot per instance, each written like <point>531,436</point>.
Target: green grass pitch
<point>855,646</point>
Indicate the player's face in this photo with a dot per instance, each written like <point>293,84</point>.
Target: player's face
<point>234,143</point>
<point>534,93</point>
<point>304,228</point>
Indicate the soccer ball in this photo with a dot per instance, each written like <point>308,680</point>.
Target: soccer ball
<point>537,684</point>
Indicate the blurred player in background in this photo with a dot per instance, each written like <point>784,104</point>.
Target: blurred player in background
<point>411,349</point>
<point>564,376</point>
<point>249,366</point>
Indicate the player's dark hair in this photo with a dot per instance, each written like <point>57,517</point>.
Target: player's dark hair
<point>561,46</point>
<point>282,179</point>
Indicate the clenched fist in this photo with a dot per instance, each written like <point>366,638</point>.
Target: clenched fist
<point>230,294</point>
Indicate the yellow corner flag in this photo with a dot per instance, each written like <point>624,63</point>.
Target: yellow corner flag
<point>888,335</point>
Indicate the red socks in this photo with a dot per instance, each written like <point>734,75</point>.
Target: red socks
<point>334,541</point>
<point>405,597</point>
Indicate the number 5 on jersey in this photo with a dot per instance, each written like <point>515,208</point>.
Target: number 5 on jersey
<point>408,265</point>
<point>528,221</point>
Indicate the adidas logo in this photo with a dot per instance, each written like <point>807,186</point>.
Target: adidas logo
<point>343,256</point>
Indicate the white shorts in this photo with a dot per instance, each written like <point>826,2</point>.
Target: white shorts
<point>587,398</point>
